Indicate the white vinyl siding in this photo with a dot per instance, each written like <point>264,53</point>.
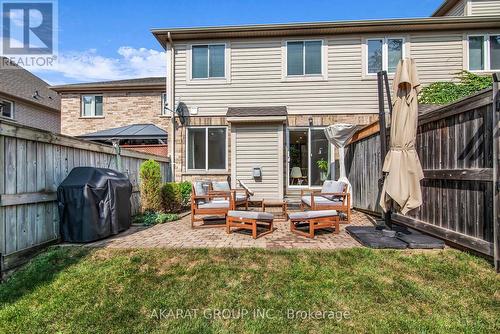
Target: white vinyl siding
<point>257,75</point>
<point>259,146</point>
<point>484,7</point>
<point>458,9</point>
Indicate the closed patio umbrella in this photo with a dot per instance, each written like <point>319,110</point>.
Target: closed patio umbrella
<point>339,135</point>
<point>404,172</point>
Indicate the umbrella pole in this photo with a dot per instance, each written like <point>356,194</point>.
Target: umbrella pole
<point>381,77</point>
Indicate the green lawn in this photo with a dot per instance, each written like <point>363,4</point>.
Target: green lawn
<point>73,290</point>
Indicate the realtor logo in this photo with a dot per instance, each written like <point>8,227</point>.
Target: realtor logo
<point>29,29</point>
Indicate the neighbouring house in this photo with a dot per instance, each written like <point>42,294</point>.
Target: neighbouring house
<point>130,111</point>
<point>27,99</point>
<point>259,96</point>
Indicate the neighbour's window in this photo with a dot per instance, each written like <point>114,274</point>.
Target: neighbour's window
<point>92,105</point>
<point>384,54</point>
<point>208,61</point>
<point>7,108</point>
<point>303,57</point>
<point>484,53</point>
<point>206,148</point>
<point>164,103</point>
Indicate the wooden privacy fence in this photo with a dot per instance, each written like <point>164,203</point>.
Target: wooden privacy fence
<point>455,146</point>
<point>33,164</point>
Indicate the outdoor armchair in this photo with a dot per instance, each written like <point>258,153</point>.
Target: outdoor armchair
<point>223,188</point>
<point>205,202</point>
<point>332,196</point>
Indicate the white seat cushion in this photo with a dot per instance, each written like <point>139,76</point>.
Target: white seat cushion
<point>215,204</point>
<point>240,198</point>
<point>312,214</point>
<point>220,186</point>
<point>331,186</point>
<point>320,200</point>
<point>262,216</point>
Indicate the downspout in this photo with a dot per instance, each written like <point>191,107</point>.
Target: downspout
<point>171,97</point>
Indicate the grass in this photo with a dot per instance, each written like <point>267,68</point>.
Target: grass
<point>75,290</point>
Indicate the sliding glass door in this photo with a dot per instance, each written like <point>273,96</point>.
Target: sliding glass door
<point>308,157</point>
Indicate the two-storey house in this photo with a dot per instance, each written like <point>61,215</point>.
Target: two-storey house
<point>259,96</point>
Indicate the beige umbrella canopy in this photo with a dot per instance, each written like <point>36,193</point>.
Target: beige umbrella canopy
<point>404,172</point>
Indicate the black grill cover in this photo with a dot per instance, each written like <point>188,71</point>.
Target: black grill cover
<point>94,203</point>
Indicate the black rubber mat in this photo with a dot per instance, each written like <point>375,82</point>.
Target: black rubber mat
<point>420,241</point>
<point>370,237</point>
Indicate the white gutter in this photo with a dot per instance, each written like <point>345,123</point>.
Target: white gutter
<point>171,97</point>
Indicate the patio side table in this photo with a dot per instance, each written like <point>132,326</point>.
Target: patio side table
<point>276,204</point>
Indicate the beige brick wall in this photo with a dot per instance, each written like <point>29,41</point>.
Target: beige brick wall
<point>35,116</point>
<point>119,109</point>
<point>302,120</point>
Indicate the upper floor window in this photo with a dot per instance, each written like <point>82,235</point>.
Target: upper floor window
<point>164,102</point>
<point>92,105</point>
<point>484,52</point>
<point>384,54</point>
<point>7,108</point>
<point>304,58</point>
<point>208,61</point>
<point>206,148</point>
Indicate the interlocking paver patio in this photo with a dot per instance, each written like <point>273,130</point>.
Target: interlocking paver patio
<point>179,234</point>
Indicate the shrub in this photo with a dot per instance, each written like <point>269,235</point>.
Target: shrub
<point>175,196</point>
<point>185,189</point>
<point>447,92</point>
<point>153,218</point>
<point>150,184</point>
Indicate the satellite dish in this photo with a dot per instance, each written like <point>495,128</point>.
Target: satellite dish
<point>182,112</point>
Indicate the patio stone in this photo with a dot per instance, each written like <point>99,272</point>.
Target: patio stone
<point>179,234</point>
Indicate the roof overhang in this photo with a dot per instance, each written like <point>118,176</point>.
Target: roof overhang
<point>256,114</point>
<point>261,119</point>
<point>444,8</point>
<point>107,88</point>
<point>326,28</point>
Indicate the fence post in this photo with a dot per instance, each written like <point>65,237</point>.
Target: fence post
<point>118,157</point>
<point>383,135</point>
<point>496,196</point>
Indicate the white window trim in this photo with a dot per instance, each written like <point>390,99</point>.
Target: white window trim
<point>82,107</point>
<point>206,148</point>
<point>304,77</point>
<point>385,53</point>
<point>331,152</point>
<point>12,113</point>
<point>486,46</point>
<point>227,65</point>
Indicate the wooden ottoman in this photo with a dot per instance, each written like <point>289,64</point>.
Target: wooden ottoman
<point>316,220</point>
<point>249,220</point>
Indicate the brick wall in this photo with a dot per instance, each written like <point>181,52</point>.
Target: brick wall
<point>302,120</point>
<point>119,109</point>
<point>37,117</point>
<point>161,149</point>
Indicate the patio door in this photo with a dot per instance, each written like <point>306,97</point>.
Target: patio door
<point>309,157</point>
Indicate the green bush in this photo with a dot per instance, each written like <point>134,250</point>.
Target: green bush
<point>153,218</point>
<point>150,184</point>
<point>447,92</point>
<point>185,189</point>
<point>175,196</point>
